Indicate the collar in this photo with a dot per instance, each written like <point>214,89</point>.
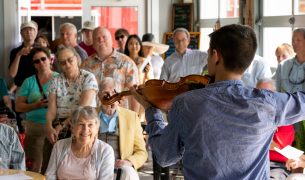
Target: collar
<point>226,83</point>
<point>114,54</point>
<point>188,51</point>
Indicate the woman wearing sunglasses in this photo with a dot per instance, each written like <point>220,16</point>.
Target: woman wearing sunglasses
<point>32,99</point>
<point>74,87</point>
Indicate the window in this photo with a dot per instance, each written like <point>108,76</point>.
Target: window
<point>227,11</point>
<point>279,19</point>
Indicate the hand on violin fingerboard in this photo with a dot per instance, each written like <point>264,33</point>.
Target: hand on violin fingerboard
<point>140,98</point>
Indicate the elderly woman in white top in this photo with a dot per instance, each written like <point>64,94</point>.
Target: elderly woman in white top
<point>72,88</point>
<point>82,156</point>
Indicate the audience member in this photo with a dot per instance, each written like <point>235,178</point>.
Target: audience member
<point>82,156</point>
<point>5,100</point>
<point>283,52</point>
<point>283,136</point>
<point>32,99</point>
<point>121,128</point>
<point>72,88</point>
<point>121,36</point>
<point>290,77</point>
<point>87,43</point>
<point>21,66</point>
<point>107,62</point>
<point>68,38</point>
<point>134,51</point>
<point>257,70</point>
<point>151,51</point>
<point>183,61</point>
<point>223,131</point>
<point>42,41</point>
<point>11,152</point>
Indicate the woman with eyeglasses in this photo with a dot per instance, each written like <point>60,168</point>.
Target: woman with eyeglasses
<point>74,87</point>
<point>32,100</point>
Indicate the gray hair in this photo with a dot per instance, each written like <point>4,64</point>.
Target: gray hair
<point>182,30</point>
<point>266,80</point>
<point>109,80</point>
<point>87,113</point>
<point>71,49</point>
<point>68,25</point>
<point>301,30</point>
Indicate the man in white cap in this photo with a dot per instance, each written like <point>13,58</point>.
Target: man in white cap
<point>183,61</point>
<point>87,43</point>
<point>151,51</point>
<point>20,66</point>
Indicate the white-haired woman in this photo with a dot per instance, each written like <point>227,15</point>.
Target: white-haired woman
<point>82,156</point>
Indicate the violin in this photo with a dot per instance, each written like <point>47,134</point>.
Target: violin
<point>161,93</point>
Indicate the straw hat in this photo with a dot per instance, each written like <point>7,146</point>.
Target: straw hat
<point>148,40</point>
<point>31,24</point>
<point>87,25</point>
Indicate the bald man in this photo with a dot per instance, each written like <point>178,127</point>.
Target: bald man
<point>108,62</point>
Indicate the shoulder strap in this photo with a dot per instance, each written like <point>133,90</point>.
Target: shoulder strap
<point>40,88</point>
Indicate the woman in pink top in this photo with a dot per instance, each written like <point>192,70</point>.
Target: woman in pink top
<point>82,156</point>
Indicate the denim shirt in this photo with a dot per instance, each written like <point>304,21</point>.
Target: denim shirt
<point>222,131</point>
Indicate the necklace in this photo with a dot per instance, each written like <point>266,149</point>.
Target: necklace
<point>294,82</point>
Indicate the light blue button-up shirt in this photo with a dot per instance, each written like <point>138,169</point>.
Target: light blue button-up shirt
<point>290,76</point>
<point>223,131</point>
<point>257,70</point>
<point>177,66</point>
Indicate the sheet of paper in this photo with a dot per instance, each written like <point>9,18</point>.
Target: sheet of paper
<point>290,152</point>
<point>19,176</point>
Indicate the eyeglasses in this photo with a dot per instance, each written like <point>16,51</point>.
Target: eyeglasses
<point>63,62</point>
<point>119,37</point>
<point>37,61</point>
<point>294,82</point>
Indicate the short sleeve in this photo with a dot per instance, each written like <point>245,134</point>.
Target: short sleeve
<point>90,82</point>
<point>54,84</point>
<point>24,89</point>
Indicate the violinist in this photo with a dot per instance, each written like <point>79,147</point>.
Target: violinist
<point>223,131</point>
<point>183,61</point>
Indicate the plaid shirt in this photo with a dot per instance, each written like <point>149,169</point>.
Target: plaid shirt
<point>12,155</point>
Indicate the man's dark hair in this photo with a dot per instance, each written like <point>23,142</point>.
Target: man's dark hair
<point>121,31</point>
<point>40,49</point>
<point>237,45</point>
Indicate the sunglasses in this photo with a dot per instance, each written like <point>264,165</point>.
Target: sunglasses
<point>37,61</point>
<point>119,37</point>
<point>63,62</point>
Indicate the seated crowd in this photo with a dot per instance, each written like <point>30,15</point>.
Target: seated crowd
<point>70,134</point>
